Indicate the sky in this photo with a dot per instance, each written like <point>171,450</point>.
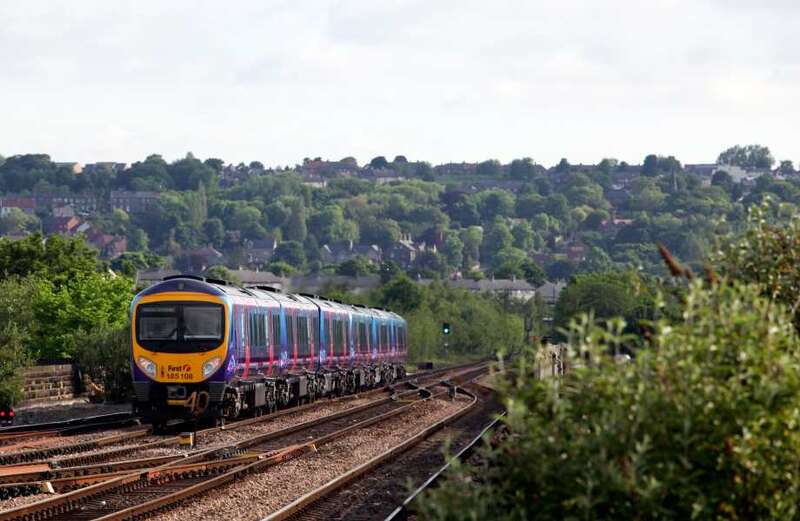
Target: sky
<point>436,80</point>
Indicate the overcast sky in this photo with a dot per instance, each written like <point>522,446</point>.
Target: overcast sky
<point>441,80</point>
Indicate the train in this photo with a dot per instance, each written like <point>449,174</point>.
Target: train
<point>204,348</point>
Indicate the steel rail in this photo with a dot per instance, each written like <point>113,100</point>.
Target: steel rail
<point>136,480</point>
<point>401,513</point>
<point>352,475</point>
<point>165,502</point>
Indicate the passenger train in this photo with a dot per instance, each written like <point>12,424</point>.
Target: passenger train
<point>203,348</point>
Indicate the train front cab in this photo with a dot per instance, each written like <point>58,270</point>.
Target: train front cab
<point>180,336</point>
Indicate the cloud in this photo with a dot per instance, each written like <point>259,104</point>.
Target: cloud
<point>447,80</point>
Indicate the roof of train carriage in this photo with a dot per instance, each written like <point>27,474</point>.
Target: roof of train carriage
<point>285,299</point>
<point>194,283</point>
<point>190,283</point>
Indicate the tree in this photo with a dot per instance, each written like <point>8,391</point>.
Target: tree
<point>596,261</point>
<point>498,237</point>
<point>222,273</point>
<point>786,167</point>
<point>15,220</point>
<point>472,238</point>
<point>400,159</point>
<point>214,231</point>
<point>605,295</point>
<point>423,170</point>
<point>401,294</point>
<point>378,163</point>
<point>56,258</point>
<point>453,250</point>
<point>607,165</point>
<point>489,168</point>
<point>722,179</point>
<point>296,226</point>
<point>84,302</point>
<point>650,166</point>
<point>523,169</point>
<point>13,358</point>
<point>383,232</point>
<point>495,203</point>
<point>560,270</point>
<point>528,205</point>
<point>190,173</point>
<point>749,156</point>
<point>523,236</point>
<point>646,195</point>
<point>356,267</point>
<point>563,166</point>
<point>290,252</point>
<point>533,273</point>
<point>679,432</point>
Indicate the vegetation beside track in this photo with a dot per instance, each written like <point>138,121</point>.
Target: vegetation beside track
<point>703,423</point>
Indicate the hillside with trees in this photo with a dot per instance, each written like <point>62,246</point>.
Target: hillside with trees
<point>517,220</point>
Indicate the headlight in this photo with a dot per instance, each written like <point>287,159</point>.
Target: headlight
<point>210,366</point>
<point>148,366</point>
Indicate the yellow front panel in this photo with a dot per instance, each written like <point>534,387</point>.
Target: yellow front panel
<point>180,367</point>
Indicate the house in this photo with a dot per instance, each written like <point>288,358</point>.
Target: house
<point>550,291</point>
<point>456,169</point>
<point>313,180</point>
<point>61,225</point>
<point>83,204</point>
<point>402,252</point>
<point>260,252</point>
<point>26,204</point>
<point>372,252</point>
<point>104,166</point>
<point>75,168</point>
<point>318,168</point>
<point>381,175</point>
<point>574,251</point>
<point>611,226</point>
<point>516,289</point>
<point>63,211</point>
<point>133,202</point>
<point>110,246</point>
<point>200,259</point>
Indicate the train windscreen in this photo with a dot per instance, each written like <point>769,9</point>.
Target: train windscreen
<point>185,327</point>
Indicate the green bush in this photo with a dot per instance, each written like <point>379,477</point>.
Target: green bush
<point>767,252</point>
<point>705,425</point>
<point>104,355</point>
<point>13,360</point>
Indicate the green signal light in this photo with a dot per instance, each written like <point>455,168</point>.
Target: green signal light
<point>445,328</point>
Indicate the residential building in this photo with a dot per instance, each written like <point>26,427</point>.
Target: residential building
<point>133,202</point>
<point>26,204</point>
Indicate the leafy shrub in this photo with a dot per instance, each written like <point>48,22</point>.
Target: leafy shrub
<point>13,360</point>
<point>767,252</point>
<point>704,425</point>
<point>104,355</point>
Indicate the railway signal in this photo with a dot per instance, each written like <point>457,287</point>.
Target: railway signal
<point>445,328</point>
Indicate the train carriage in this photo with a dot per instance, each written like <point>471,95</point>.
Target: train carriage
<point>204,348</point>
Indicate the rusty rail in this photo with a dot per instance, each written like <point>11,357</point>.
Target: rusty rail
<point>301,503</point>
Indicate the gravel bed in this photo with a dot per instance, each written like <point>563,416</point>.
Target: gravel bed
<point>60,411</point>
<point>59,441</point>
<point>130,444</point>
<point>16,502</point>
<point>219,439</point>
<point>260,494</point>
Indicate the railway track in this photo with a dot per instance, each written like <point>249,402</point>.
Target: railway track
<point>135,494</point>
<point>374,489</point>
<point>46,453</point>
<point>376,492</point>
<point>175,473</point>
